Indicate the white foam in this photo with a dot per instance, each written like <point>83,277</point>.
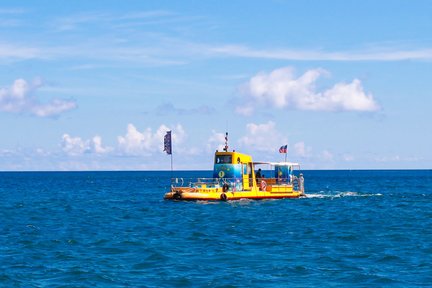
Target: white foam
<point>206,202</point>
<point>339,194</point>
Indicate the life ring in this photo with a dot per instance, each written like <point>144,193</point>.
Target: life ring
<point>177,181</point>
<point>225,187</point>
<point>223,197</point>
<point>177,195</point>
<point>221,174</point>
<point>263,185</point>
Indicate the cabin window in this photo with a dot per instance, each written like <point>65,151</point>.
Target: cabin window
<point>223,159</point>
<point>249,169</point>
<point>245,169</point>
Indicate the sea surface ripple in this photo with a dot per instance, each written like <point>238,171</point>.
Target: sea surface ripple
<point>113,229</point>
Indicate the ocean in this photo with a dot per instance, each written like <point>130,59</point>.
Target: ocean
<point>364,228</point>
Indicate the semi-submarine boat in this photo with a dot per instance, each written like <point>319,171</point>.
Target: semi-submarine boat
<point>235,178</point>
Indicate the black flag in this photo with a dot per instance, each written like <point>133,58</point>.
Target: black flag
<point>167,143</point>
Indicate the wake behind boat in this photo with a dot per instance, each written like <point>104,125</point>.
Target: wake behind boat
<point>234,178</point>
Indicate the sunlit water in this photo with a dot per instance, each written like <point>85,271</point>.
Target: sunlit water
<point>113,229</point>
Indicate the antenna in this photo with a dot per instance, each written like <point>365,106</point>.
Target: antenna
<point>226,142</point>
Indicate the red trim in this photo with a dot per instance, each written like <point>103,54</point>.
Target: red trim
<point>238,198</point>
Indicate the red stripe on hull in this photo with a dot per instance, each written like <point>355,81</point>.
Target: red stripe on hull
<point>236,198</point>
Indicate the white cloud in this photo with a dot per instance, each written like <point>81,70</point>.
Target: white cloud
<point>134,142</point>
<point>97,147</point>
<point>19,98</point>
<point>75,146</point>
<point>11,52</point>
<point>147,142</point>
<point>281,89</point>
<point>346,97</point>
<point>56,107</point>
<point>379,53</point>
<point>77,21</point>
<point>262,137</point>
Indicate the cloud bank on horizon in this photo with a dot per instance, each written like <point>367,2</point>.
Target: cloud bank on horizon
<point>263,137</point>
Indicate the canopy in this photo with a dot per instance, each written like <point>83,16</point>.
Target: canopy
<point>277,163</point>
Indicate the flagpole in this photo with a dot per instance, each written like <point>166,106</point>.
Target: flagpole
<point>284,149</point>
<point>171,156</point>
<point>171,164</point>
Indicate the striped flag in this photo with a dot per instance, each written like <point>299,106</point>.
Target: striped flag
<point>167,143</point>
<point>283,149</point>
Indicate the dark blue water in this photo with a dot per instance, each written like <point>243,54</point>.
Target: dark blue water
<point>112,229</point>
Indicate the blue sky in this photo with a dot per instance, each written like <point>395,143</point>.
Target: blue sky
<point>94,85</point>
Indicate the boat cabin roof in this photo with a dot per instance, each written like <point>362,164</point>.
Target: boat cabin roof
<point>291,164</point>
<point>231,158</point>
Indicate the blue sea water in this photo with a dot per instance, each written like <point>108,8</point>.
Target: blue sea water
<point>113,229</point>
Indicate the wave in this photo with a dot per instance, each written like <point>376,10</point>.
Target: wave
<point>339,194</point>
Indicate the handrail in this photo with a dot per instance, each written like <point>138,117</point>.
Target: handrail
<point>193,182</point>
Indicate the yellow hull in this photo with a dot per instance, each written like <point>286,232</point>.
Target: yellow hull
<point>216,194</point>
